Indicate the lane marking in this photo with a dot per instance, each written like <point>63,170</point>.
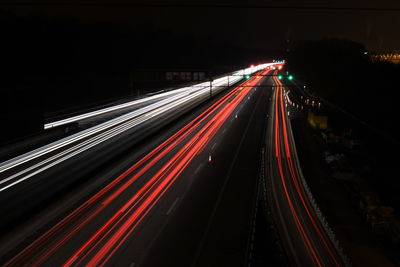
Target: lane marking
<point>172,206</point>
<point>227,178</point>
<point>213,146</point>
<point>198,168</point>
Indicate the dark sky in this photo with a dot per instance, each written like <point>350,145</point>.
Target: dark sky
<point>250,25</point>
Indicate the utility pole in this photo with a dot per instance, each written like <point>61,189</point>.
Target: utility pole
<point>211,80</point>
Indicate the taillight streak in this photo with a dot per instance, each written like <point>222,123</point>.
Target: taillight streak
<point>150,158</point>
<point>294,176</point>
<point>175,166</point>
<point>299,226</point>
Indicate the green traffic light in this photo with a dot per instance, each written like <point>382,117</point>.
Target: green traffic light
<point>247,77</point>
<point>280,77</point>
<point>290,77</point>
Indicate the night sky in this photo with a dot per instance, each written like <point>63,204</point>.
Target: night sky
<point>249,26</point>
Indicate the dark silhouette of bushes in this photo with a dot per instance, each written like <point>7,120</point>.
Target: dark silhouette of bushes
<point>340,71</point>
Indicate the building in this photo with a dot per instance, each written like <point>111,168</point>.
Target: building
<point>388,57</point>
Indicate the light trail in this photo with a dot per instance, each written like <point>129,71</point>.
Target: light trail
<point>280,125</point>
<point>152,98</point>
<point>164,148</point>
<point>173,168</point>
<point>28,165</point>
<point>133,211</point>
<point>299,226</point>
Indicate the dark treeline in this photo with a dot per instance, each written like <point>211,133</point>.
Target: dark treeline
<point>341,72</point>
<point>56,65</point>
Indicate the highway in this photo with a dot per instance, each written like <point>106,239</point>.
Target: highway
<point>115,110</point>
<point>184,196</point>
<point>175,189</point>
<point>304,236</point>
<point>74,156</point>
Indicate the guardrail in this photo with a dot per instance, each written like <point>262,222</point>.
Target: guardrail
<point>321,218</point>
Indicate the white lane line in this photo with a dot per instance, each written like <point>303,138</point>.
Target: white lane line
<point>213,146</point>
<point>198,168</point>
<point>228,175</point>
<point>172,206</point>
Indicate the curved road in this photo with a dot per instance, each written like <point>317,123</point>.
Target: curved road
<point>303,235</point>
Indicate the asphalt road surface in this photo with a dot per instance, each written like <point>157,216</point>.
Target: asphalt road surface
<point>303,234</point>
<point>187,201</point>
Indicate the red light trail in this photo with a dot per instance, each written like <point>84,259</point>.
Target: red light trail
<point>108,238</point>
<point>280,130</point>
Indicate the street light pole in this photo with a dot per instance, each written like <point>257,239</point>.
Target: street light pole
<point>211,87</point>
